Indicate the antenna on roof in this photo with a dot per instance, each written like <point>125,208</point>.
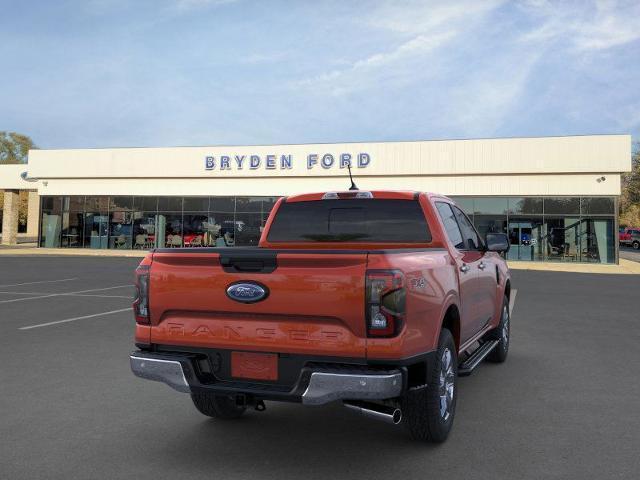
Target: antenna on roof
<point>353,185</point>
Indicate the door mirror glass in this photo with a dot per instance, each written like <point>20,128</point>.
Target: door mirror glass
<point>497,242</point>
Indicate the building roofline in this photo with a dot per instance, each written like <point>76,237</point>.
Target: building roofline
<point>346,142</point>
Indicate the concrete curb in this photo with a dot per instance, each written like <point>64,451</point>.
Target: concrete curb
<point>77,252</point>
<point>626,267</point>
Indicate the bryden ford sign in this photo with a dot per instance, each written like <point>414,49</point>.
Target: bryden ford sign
<point>285,162</point>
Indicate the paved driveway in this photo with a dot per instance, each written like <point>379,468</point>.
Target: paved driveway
<point>565,405</point>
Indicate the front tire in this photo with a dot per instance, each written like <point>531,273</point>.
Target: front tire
<point>217,406</point>
<point>502,333</point>
<point>636,245</point>
<point>428,412</point>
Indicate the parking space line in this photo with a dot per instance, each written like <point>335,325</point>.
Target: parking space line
<point>21,293</point>
<point>64,294</point>
<point>129,297</point>
<point>66,320</point>
<point>41,281</point>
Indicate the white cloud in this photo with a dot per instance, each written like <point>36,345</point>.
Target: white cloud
<point>479,105</point>
<point>361,73</point>
<point>607,24</point>
<point>416,17</point>
<point>421,29</point>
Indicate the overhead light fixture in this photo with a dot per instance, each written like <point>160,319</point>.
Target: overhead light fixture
<point>25,176</point>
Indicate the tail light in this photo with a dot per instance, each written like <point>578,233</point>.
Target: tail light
<point>385,306</point>
<point>141,301</point>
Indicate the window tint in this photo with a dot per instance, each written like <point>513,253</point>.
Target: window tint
<point>450,224</point>
<point>471,239</point>
<point>350,220</point>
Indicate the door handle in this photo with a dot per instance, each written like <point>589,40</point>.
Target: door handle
<point>482,266</point>
<point>465,268</point>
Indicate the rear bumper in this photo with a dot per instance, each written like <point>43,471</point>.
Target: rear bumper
<point>325,387</point>
<point>160,370</point>
<point>315,385</point>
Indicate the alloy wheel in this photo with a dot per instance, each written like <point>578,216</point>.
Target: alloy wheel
<point>447,383</point>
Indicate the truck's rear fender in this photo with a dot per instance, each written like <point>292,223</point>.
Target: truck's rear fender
<point>430,282</point>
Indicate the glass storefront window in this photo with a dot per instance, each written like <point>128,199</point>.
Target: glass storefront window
<point>120,204</point>
<point>168,230</point>
<point>526,239</point>
<point>72,222</point>
<point>597,240</point>
<point>96,204</point>
<point>144,230</point>
<point>247,228</point>
<point>220,229</point>
<point>51,224</point>
<point>597,206</point>
<point>490,224</point>
<point>145,204</point>
<point>249,204</point>
<point>196,204</point>
<point>561,205</point>
<point>539,228</point>
<point>562,238</point>
<point>525,206</point>
<point>120,230</point>
<point>222,204</point>
<point>195,228</point>
<point>490,206</point>
<point>170,204</point>
<point>96,230</point>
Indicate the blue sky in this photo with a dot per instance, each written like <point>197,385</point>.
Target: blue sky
<point>105,73</point>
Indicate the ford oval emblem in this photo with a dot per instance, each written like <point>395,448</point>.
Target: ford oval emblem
<point>247,292</point>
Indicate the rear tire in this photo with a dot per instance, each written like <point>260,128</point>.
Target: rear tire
<point>217,406</point>
<point>428,412</point>
<point>502,333</point>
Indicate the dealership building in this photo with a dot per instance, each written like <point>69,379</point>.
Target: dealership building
<point>555,197</point>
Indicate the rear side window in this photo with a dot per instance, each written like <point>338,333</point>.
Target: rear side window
<point>350,220</point>
<point>450,224</point>
<point>471,239</point>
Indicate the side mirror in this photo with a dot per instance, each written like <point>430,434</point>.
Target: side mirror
<point>497,242</point>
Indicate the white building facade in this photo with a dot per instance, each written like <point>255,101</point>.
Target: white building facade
<point>556,197</point>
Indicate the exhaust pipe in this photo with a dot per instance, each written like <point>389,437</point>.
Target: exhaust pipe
<point>381,412</point>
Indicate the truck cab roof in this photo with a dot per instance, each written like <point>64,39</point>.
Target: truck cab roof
<point>385,194</point>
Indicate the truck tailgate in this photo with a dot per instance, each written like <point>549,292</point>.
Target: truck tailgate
<point>315,303</point>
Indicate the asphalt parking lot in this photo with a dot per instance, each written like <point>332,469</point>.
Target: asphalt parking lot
<point>629,253</point>
<point>565,405</point>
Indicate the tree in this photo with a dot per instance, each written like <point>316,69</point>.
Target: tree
<point>630,198</point>
<point>14,147</point>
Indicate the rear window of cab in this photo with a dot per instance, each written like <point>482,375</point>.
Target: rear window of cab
<point>350,220</point>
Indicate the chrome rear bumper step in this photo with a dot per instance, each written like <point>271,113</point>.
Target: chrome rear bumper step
<point>467,367</point>
<point>160,370</point>
<point>325,387</point>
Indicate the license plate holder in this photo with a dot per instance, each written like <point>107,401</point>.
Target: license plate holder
<point>254,366</point>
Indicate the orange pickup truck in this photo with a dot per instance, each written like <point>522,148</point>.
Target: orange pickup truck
<point>376,299</point>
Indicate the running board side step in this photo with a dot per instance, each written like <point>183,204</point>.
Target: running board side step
<point>467,367</point>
